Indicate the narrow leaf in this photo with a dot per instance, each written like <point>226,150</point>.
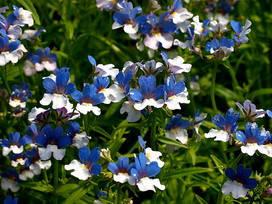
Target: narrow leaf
<point>169,141</point>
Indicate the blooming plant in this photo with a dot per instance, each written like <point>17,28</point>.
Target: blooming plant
<point>118,101</point>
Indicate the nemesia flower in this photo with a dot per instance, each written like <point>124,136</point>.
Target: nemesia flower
<point>197,120</point>
<point>240,32</point>
<point>121,170</point>
<point>151,67</point>
<point>10,51</point>
<point>101,84</point>
<point>77,139</point>
<point>177,13</point>
<point>133,114</point>
<point>22,16</point>
<point>175,129</point>
<point>249,111</point>
<point>14,144</point>
<point>108,4</point>
<point>52,141</point>
<point>25,173</point>
<point>42,60</point>
<point>201,28</point>
<point>252,138</point>
<point>126,17</point>
<point>10,200</point>
<point>19,112</point>
<point>220,48</point>
<point>148,95</point>
<point>103,70</point>
<point>121,88</point>
<point>151,156</point>
<point>227,125</point>
<point>240,182</point>
<point>175,93</point>
<point>57,89</point>
<point>142,173</point>
<point>3,9</point>
<point>176,65</point>
<point>34,162</point>
<point>17,159</point>
<point>157,30</point>
<point>19,95</point>
<point>29,34</point>
<point>6,27</point>
<point>266,147</point>
<point>219,26</point>
<point>88,166</point>
<point>10,180</point>
<point>88,99</point>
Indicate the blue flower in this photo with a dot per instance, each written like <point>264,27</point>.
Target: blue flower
<point>9,180</point>
<point>14,143</point>
<point>148,95</point>
<point>58,89</point>
<point>121,170</point>
<point>142,173</point>
<point>17,159</point>
<point>22,17</point>
<point>127,17</point>
<point>20,95</point>
<point>240,32</point>
<point>220,48</point>
<point>228,126</point>
<point>178,13</point>
<point>88,99</point>
<point>52,140</point>
<point>77,139</point>
<point>142,142</point>
<point>240,182</point>
<point>88,166</point>
<point>10,200</point>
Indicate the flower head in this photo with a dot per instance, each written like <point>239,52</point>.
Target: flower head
<point>20,95</point>
<point>249,111</point>
<point>240,182</point>
<point>240,31</point>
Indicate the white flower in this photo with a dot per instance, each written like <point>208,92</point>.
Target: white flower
<point>237,189</point>
<point>106,70</point>
<point>9,184</point>
<point>46,153</point>
<point>220,135</point>
<point>146,184</point>
<point>178,134</point>
<point>80,170</point>
<point>153,156</point>
<point>133,114</point>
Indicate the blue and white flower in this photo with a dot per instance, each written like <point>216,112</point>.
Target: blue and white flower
<point>151,67</point>
<point>57,88</point>
<point>175,93</point>
<point>220,48</point>
<point>101,84</point>
<point>77,139</point>
<point>227,126</point>
<point>19,95</point>
<point>241,31</point>
<point>121,171</point>
<point>88,99</point>
<point>176,65</point>
<point>22,17</point>
<point>142,173</point>
<point>252,139</point>
<point>10,180</point>
<point>133,114</point>
<point>178,13</point>
<point>14,144</point>
<point>148,95</point>
<point>52,142</point>
<point>17,159</point>
<point>199,27</point>
<point>175,129</point>
<point>126,17</point>
<point>87,167</point>
<point>240,182</point>
<point>249,111</point>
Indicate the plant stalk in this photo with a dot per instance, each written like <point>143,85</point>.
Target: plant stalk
<point>213,87</point>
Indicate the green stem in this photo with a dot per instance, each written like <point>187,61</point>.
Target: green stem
<point>56,178</point>
<point>213,88</point>
<point>45,175</point>
<point>118,197</point>
<point>153,131</point>
<point>4,79</point>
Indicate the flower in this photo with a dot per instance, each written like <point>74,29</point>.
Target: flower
<point>14,143</point>
<point>176,65</point>
<point>88,99</point>
<point>133,114</point>
<point>77,139</point>
<point>22,16</point>
<point>249,111</point>
<point>157,30</point>
<point>10,200</point>
<point>177,13</point>
<point>175,129</point>
<point>127,17</point>
<point>175,93</point>
<point>201,28</point>
<point>52,141</point>
<point>17,159</point>
<point>88,167</point>
<point>121,170</point>
<point>10,51</point>
<point>101,83</point>
<point>148,95</point>
<point>142,173</point>
<point>9,180</point>
<point>19,95</point>
<point>42,60</point>
<point>252,138</point>
<point>57,89</point>
<point>240,182</point>
<point>240,32</point>
<point>227,125</point>
<point>108,4</point>
<point>220,48</point>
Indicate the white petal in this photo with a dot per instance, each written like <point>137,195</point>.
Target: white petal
<point>9,184</point>
<point>59,101</point>
<point>220,135</point>
<point>237,189</point>
<point>133,114</point>
<point>178,134</point>
<point>146,184</point>
<point>121,177</point>
<point>80,171</point>
<point>130,29</point>
<point>47,98</point>
<point>59,153</point>
<point>250,148</point>
<point>80,140</point>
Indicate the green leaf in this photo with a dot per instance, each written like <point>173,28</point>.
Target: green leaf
<point>69,29</point>
<point>100,131</point>
<point>260,92</point>
<point>29,6</point>
<point>39,186</point>
<point>233,163</point>
<point>169,141</point>
<point>219,164</point>
<point>67,188</point>
<point>200,200</point>
<point>76,195</point>
<point>189,171</point>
